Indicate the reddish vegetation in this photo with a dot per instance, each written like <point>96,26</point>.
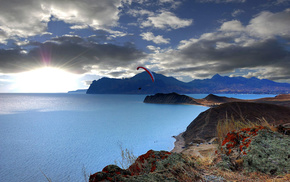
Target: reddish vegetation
<point>108,173</point>
<point>241,138</point>
<point>141,163</point>
<point>144,164</point>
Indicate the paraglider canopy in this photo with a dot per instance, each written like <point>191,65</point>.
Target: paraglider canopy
<point>148,71</point>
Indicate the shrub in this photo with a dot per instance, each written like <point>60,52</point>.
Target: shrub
<point>269,153</point>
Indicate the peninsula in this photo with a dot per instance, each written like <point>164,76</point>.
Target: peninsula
<point>212,100</point>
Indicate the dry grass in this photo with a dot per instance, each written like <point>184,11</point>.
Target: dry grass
<point>230,124</point>
<point>128,158</point>
<point>188,173</point>
<point>207,159</point>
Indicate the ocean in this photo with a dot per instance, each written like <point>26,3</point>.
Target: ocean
<point>66,137</point>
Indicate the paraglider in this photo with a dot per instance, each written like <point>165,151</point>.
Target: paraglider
<point>148,71</point>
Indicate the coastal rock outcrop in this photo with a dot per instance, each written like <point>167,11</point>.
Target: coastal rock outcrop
<point>203,127</point>
<point>152,166</point>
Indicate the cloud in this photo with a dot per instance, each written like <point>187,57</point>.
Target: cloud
<point>153,48</point>
<point>96,14</point>
<point>30,17</point>
<point>166,20</point>
<point>264,25</point>
<point>71,53</point>
<point>22,19</point>
<point>140,12</point>
<point>233,25</point>
<point>149,36</point>
<point>233,47</point>
<point>237,12</point>
<point>268,24</point>
<point>206,56</point>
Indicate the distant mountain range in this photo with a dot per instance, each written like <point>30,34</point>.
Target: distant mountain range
<point>142,84</point>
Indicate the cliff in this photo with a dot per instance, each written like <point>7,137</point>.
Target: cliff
<point>203,127</point>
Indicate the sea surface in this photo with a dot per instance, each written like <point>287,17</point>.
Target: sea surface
<point>66,137</point>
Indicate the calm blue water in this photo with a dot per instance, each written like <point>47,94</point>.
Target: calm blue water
<point>63,135</point>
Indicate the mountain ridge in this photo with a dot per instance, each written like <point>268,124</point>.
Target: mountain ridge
<point>142,84</point>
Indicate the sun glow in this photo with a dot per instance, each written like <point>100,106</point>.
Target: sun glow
<point>46,80</point>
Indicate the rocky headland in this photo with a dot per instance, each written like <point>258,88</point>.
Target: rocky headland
<point>275,110</point>
<point>257,153</point>
<point>212,100</point>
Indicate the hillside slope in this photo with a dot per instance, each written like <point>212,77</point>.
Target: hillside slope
<point>203,127</point>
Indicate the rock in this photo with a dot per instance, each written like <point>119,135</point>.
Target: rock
<point>152,166</point>
<point>110,173</point>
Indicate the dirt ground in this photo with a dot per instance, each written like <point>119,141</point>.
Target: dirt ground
<point>195,150</point>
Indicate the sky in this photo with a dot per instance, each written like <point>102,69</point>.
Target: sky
<point>57,46</point>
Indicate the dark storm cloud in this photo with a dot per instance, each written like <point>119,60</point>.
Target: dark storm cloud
<point>262,53</point>
<point>222,52</point>
<point>26,18</point>
<point>71,53</point>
